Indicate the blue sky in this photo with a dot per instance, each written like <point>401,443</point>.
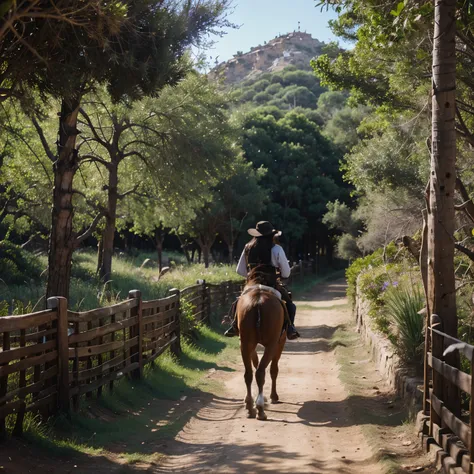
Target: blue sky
<point>262,20</point>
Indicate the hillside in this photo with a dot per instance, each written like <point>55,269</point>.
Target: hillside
<point>292,49</point>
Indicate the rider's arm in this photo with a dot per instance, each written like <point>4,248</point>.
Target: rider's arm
<point>280,261</point>
<point>242,265</point>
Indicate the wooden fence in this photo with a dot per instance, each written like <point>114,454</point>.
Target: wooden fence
<point>448,426</point>
<point>49,360</point>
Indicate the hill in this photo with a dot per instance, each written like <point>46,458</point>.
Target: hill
<point>293,49</point>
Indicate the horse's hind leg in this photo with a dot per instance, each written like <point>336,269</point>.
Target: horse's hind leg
<point>248,376</point>
<point>274,368</point>
<point>255,359</point>
<point>260,377</point>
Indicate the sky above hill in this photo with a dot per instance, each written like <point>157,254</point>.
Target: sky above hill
<point>262,20</point>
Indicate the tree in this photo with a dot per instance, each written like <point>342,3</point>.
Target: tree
<point>235,199</point>
<point>132,61</point>
<point>30,35</point>
<point>302,172</point>
<point>160,136</point>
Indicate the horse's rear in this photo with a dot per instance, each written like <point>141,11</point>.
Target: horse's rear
<point>260,317</point>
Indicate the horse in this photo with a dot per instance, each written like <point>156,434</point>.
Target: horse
<point>260,319</point>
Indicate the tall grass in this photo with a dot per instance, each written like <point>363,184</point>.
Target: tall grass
<point>88,292</point>
<point>403,305</point>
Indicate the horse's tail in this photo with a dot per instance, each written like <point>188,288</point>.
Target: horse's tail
<point>259,313</point>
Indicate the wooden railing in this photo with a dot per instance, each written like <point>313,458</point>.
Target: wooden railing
<point>54,357</point>
<point>449,429</point>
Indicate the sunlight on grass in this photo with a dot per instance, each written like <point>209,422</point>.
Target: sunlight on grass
<point>87,292</point>
<point>140,413</point>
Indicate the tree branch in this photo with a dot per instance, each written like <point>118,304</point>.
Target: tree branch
<point>93,129</point>
<point>468,205</point>
<point>90,230</point>
<point>465,251</point>
<point>130,191</point>
<point>44,142</point>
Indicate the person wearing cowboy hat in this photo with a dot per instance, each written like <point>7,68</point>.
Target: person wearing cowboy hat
<point>264,252</point>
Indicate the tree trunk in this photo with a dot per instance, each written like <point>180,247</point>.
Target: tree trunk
<point>100,253</point>
<point>159,237</point>
<point>62,238</point>
<point>110,220</point>
<point>206,250</point>
<point>230,246</point>
<point>441,223</point>
<point>184,249</point>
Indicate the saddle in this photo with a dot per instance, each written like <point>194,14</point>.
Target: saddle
<point>270,289</point>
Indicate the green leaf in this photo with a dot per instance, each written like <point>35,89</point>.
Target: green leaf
<point>400,7</point>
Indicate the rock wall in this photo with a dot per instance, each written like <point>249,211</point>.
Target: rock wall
<point>403,381</point>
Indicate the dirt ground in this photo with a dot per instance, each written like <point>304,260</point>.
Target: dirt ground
<point>335,414</point>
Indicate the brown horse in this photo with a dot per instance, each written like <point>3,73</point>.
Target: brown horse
<point>260,317</point>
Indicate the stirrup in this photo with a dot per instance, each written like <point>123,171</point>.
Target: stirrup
<point>292,333</point>
<point>231,332</point>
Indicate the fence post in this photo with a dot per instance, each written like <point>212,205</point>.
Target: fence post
<point>471,422</point>
<point>60,305</point>
<point>137,332</point>
<point>204,311</point>
<point>437,348</point>
<point>176,345</point>
<point>207,291</point>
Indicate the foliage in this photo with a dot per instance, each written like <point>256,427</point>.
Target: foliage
<point>403,305</point>
<point>340,216</point>
<point>286,89</point>
<point>360,265</point>
<point>235,201</point>
<point>302,168</point>
<point>87,292</point>
<point>347,247</point>
<point>17,265</point>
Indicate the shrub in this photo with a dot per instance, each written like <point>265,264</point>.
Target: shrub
<point>402,306</point>
<point>372,260</point>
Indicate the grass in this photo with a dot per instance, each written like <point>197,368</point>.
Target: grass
<point>137,414</point>
<point>87,292</point>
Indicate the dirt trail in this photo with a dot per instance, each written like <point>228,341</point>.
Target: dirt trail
<point>309,431</point>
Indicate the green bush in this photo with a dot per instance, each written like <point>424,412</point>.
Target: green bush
<point>360,265</point>
<point>17,265</point>
<point>402,305</point>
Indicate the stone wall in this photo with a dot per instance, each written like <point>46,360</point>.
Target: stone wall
<point>404,382</point>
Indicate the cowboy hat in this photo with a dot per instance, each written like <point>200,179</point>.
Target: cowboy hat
<point>263,228</point>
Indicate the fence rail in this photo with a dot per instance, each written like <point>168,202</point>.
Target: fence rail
<point>449,428</point>
<point>49,360</point>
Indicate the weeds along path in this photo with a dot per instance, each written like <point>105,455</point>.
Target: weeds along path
<point>321,425</point>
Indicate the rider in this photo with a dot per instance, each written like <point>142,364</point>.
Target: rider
<point>262,251</point>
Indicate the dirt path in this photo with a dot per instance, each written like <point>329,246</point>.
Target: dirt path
<point>311,430</point>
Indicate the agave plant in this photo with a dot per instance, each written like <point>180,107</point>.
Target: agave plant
<point>403,305</point>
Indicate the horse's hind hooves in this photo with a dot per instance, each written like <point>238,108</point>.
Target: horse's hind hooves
<point>262,417</point>
<point>252,413</point>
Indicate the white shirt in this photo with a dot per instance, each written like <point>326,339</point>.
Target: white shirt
<point>279,260</point>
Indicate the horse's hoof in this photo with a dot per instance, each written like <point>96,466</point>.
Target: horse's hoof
<point>252,413</point>
<point>261,416</point>
<point>275,401</point>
